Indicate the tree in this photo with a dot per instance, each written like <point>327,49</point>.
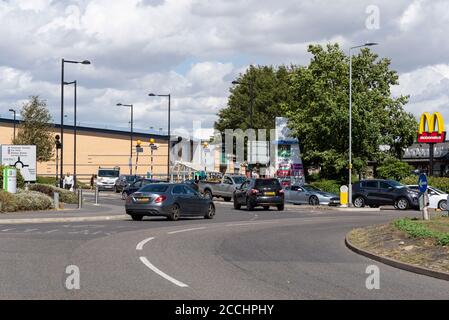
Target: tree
<point>35,128</point>
<point>270,90</point>
<point>319,118</point>
<point>394,169</point>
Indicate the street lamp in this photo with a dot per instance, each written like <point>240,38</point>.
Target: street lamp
<point>368,44</point>
<point>14,136</point>
<point>131,145</point>
<point>153,146</point>
<point>74,129</point>
<point>169,141</point>
<point>251,103</point>
<point>205,145</point>
<point>63,61</point>
<point>58,146</point>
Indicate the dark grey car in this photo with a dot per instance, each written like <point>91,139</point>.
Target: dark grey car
<point>172,200</point>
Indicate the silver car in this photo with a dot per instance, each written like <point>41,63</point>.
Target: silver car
<point>173,200</point>
<point>308,194</point>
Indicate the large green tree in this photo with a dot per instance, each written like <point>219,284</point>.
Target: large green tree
<point>270,90</point>
<point>35,128</point>
<point>319,117</point>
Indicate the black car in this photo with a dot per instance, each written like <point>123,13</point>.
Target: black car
<point>375,193</point>
<point>259,192</point>
<point>136,185</point>
<point>123,181</point>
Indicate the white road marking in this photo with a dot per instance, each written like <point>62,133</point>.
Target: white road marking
<point>185,230</point>
<point>249,224</point>
<point>51,231</point>
<point>142,243</point>
<point>162,274</point>
<point>30,230</point>
<point>5,230</point>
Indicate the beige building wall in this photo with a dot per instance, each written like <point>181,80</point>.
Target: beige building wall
<point>100,148</point>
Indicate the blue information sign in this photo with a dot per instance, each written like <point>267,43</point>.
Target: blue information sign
<point>422,183</point>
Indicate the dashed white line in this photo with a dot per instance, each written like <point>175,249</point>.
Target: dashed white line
<point>6,230</point>
<point>143,242</point>
<point>249,224</point>
<point>185,230</point>
<point>30,230</point>
<point>51,231</point>
<point>162,274</point>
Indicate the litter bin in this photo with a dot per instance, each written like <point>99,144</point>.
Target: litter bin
<point>10,179</point>
<point>344,196</point>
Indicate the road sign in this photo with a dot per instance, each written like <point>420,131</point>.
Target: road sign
<point>422,183</point>
<point>23,157</point>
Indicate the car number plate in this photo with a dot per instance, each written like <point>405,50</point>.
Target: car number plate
<point>142,200</point>
<point>270,193</point>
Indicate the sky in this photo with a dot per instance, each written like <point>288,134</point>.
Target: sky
<point>194,49</point>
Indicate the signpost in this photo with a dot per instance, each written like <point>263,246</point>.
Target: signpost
<point>424,198</point>
<point>23,157</point>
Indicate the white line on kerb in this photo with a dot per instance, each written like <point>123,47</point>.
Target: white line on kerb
<point>142,243</point>
<point>162,274</point>
<point>185,230</point>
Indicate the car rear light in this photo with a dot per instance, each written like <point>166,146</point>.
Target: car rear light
<point>281,191</point>
<point>254,191</point>
<point>160,199</point>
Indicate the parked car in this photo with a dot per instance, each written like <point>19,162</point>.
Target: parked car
<point>377,193</point>
<point>259,192</point>
<point>173,200</point>
<point>136,185</point>
<point>106,178</point>
<point>437,198</point>
<point>308,194</point>
<point>224,188</point>
<point>123,181</point>
<point>192,183</point>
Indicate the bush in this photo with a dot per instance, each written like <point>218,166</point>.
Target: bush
<point>332,186</point>
<point>20,181</point>
<point>394,169</point>
<point>46,180</point>
<point>415,229</point>
<point>65,196</point>
<point>24,201</point>
<point>441,183</point>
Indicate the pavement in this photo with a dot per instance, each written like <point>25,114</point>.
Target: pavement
<point>295,254</point>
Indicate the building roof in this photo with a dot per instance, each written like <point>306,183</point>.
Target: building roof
<point>421,151</point>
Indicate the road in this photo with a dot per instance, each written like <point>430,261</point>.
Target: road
<point>295,254</point>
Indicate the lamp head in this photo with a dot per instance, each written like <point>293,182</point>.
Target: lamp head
<point>151,94</point>
<point>119,104</point>
<point>85,62</point>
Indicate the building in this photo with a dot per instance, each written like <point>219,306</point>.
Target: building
<point>417,155</point>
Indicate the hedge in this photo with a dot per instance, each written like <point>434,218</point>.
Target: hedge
<point>24,201</point>
<point>65,196</point>
<point>331,186</point>
<point>441,183</point>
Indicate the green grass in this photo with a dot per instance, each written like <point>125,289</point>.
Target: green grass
<point>434,229</point>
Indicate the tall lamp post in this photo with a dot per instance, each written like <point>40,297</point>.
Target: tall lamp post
<point>368,44</point>
<point>132,132</point>
<point>14,135</point>
<point>58,146</point>
<point>74,130</point>
<point>251,107</point>
<point>63,61</point>
<point>169,140</point>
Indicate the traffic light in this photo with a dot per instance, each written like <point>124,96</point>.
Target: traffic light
<point>152,140</point>
<point>139,143</point>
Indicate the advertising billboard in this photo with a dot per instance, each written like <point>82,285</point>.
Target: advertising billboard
<point>23,157</point>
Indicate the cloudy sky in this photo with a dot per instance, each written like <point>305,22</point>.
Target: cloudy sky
<point>193,49</point>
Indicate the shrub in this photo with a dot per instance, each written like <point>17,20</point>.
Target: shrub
<point>20,181</point>
<point>327,185</point>
<point>24,201</point>
<point>441,183</point>
<point>46,180</point>
<point>394,169</point>
<point>415,229</point>
<point>65,196</point>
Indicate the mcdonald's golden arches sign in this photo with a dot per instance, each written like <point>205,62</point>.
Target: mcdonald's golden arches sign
<point>431,128</point>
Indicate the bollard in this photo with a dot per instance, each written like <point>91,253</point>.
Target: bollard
<point>80,198</point>
<point>56,200</point>
<point>344,196</point>
<point>96,195</point>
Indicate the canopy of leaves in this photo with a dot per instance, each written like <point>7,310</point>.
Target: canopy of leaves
<point>35,128</point>
<point>319,116</point>
<point>394,169</point>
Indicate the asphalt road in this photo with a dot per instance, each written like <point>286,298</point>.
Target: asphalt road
<point>295,254</point>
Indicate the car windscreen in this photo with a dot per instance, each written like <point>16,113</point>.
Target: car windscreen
<point>239,180</point>
<point>310,188</point>
<point>267,183</point>
<point>108,173</point>
<point>395,184</point>
<point>154,188</point>
<point>130,178</point>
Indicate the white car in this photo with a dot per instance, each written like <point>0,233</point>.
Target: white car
<point>437,198</point>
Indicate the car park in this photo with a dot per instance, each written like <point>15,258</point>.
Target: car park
<point>106,178</point>
<point>124,181</point>
<point>259,192</point>
<point>136,185</point>
<point>375,193</point>
<point>172,200</point>
<point>437,198</point>
<point>308,194</point>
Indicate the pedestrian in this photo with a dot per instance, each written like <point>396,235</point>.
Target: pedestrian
<point>92,182</point>
<point>68,182</point>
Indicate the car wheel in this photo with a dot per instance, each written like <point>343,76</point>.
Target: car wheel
<point>208,194</point>
<point>124,196</point>
<point>249,205</point>
<point>359,202</point>
<point>174,213</point>
<point>116,190</point>
<point>136,217</point>
<point>313,201</point>
<point>442,205</point>
<point>402,204</point>
<point>237,206</point>
<point>280,207</point>
<point>227,199</point>
<point>210,212</point>
<point>266,207</point>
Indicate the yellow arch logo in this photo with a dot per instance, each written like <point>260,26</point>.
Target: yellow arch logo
<point>431,121</point>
